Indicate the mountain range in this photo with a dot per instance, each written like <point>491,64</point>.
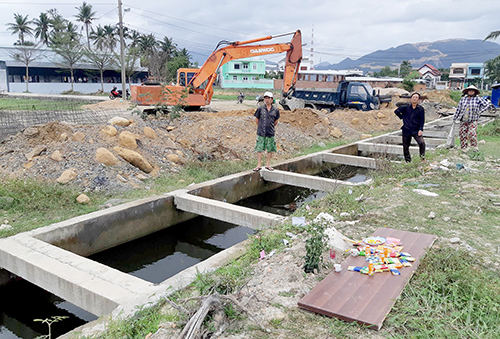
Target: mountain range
<point>440,54</point>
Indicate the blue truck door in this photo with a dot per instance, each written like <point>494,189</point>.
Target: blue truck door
<point>357,96</point>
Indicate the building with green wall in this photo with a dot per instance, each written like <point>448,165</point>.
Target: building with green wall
<point>245,73</point>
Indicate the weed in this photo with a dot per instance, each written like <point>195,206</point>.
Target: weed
<point>450,296</point>
<point>49,322</point>
<point>315,246</point>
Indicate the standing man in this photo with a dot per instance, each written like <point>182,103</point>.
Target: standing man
<point>266,118</point>
<point>413,116</point>
<point>468,111</point>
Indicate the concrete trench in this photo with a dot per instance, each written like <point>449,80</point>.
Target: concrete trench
<point>54,257</point>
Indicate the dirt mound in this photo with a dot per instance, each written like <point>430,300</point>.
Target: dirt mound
<point>195,136</point>
<point>441,96</point>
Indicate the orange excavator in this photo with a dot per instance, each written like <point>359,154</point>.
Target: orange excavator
<point>194,87</point>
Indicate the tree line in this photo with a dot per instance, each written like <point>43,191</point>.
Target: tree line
<point>94,44</point>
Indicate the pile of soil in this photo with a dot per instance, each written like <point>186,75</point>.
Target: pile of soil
<point>195,136</point>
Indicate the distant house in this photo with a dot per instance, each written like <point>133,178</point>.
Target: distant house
<point>430,74</point>
<point>465,74</point>
<point>244,73</point>
<point>474,71</point>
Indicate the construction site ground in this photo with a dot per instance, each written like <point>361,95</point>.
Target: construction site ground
<point>226,130</point>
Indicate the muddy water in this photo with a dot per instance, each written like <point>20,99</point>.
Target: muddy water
<point>153,258</point>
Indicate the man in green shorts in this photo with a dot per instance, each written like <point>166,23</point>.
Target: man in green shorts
<point>266,118</point>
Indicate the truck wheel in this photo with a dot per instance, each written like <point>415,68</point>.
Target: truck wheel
<point>364,107</point>
<point>313,106</point>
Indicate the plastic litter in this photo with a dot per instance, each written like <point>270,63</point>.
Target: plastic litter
<point>298,221</point>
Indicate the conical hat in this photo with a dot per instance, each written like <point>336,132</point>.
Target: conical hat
<point>470,87</point>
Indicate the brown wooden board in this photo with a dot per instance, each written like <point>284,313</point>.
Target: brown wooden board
<point>353,296</point>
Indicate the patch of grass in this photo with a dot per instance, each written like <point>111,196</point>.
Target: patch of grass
<point>35,104</point>
<point>143,322</point>
<point>456,95</point>
<point>318,147</point>
<point>226,280</point>
<point>36,204</point>
<point>450,296</point>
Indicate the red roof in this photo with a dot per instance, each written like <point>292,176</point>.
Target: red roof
<point>433,69</point>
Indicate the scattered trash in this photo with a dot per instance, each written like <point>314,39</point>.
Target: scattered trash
<point>446,218</point>
<point>285,242</point>
<point>271,254</point>
<point>5,227</point>
<point>460,166</point>
<point>298,221</point>
<point>425,192</point>
<point>332,254</point>
<point>291,235</point>
<point>337,267</point>
<point>262,254</point>
<point>446,163</point>
<point>344,214</point>
<point>470,248</point>
<point>431,215</point>
<point>360,198</point>
<point>324,217</point>
<point>307,207</point>
<point>455,240</point>
<point>350,191</point>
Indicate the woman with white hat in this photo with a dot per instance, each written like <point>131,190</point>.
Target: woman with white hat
<point>468,111</point>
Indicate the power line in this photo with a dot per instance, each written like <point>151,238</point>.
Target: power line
<point>190,22</point>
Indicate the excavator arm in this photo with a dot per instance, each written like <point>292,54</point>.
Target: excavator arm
<point>243,49</point>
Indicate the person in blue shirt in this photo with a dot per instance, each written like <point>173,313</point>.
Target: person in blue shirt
<point>413,116</point>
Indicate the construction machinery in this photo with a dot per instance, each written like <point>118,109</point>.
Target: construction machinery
<point>349,94</point>
<point>194,87</point>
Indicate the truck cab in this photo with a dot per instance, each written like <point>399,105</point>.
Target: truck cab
<point>359,95</point>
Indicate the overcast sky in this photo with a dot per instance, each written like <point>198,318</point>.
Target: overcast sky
<point>341,28</point>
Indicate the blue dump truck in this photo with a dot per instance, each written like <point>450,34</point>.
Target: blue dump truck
<point>356,95</point>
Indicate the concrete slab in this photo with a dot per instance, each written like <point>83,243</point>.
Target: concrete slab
<point>306,181</point>
<point>369,148</point>
<point>92,286</point>
<point>350,160</point>
<point>396,140</point>
<point>219,210</point>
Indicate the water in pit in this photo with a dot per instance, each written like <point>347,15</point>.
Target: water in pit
<point>153,258</point>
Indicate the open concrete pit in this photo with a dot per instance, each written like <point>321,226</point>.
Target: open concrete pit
<point>58,258</point>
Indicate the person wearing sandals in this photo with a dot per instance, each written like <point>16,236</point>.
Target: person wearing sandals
<point>468,111</point>
<point>266,118</point>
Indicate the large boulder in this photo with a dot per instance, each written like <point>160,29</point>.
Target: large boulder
<point>149,132</point>
<point>78,136</point>
<point>128,140</point>
<point>35,152</point>
<point>105,157</point>
<point>174,158</point>
<point>109,130</point>
<point>56,156</point>
<point>134,158</point>
<point>119,121</point>
<point>336,133</point>
<point>67,176</point>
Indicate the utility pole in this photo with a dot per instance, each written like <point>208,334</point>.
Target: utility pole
<point>122,47</point>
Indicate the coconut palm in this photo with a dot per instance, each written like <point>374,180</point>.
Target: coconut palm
<point>111,34</point>
<point>493,35</point>
<point>20,26</point>
<point>42,28</point>
<point>86,16</point>
<point>57,22</point>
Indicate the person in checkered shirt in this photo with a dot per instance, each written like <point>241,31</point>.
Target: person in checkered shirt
<point>468,111</point>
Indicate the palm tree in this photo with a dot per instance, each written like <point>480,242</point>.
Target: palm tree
<point>57,22</point>
<point>86,16</point>
<point>20,26</point>
<point>42,27</point>
<point>111,35</point>
<point>72,30</point>
<point>492,36</point>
